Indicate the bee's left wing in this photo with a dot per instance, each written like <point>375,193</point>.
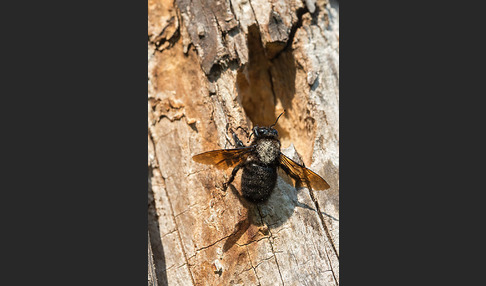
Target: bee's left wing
<point>300,173</point>
<point>224,158</point>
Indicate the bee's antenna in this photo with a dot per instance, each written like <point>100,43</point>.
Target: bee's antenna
<point>277,119</point>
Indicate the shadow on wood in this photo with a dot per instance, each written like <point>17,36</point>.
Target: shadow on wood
<point>155,240</point>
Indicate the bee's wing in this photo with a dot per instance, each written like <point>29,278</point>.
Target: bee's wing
<point>305,176</point>
<point>225,158</point>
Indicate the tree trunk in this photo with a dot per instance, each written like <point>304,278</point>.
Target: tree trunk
<point>218,65</point>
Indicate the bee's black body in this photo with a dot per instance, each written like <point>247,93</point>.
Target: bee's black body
<point>259,175</point>
<point>260,171</point>
<point>258,182</point>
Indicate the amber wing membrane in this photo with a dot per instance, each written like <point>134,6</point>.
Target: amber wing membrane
<point>306,177</point>
<point>225,158</point>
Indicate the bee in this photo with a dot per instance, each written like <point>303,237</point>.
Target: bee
<point>259,162</point>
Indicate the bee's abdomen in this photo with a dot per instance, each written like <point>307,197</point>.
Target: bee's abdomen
<point>258,182</point>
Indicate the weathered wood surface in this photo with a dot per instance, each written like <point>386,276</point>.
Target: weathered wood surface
<point>215,65</point>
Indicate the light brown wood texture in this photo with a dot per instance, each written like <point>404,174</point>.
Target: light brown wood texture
<point>216,65</point>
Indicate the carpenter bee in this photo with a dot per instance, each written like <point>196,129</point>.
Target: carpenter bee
<point>259,162</point>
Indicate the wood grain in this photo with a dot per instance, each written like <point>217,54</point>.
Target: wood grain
<point>215,65</point>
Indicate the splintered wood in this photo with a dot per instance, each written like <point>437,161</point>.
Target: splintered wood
<point>219,65</point>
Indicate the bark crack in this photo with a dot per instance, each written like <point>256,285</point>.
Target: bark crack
<point>300,12</point>
<point>252,267</point>
<point>254,14</point>
<point>316,203</point>
<point>263,260</point>
<point>272,87</point>
<point>208,246</point>
<point>173,266</point>
<point>271,245</point>
<point>233,12</point>
<point>188,209</point>
<point>253,241</point>
<point>332,270</point>
<point>170,232</point>
<point>223,41</point>
<point>171,119</point>
<point>327,234</point>
<point>172,211</point>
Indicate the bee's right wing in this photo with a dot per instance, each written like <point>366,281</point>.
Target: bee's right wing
<point>224,158</point>
<point>300,173</point>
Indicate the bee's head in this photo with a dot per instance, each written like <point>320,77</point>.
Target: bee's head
<point>266,132</point>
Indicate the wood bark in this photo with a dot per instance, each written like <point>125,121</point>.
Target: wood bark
<point>218,65</point>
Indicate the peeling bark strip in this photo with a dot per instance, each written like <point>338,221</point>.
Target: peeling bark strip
<point>218,28</point>
<point>216,65</point>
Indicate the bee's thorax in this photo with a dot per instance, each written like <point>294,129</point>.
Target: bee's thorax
<point>267,150</point>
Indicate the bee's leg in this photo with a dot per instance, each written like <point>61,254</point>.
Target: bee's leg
<point>232,177</point>
<point>236,139</point>
<point>246,132</point>
<point>227,141</point>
